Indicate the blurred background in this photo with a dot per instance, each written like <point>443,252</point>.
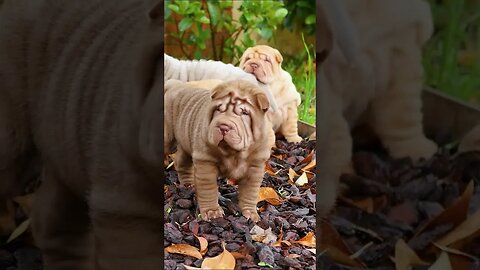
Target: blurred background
<point>452,56</point>
<point>223,30</point>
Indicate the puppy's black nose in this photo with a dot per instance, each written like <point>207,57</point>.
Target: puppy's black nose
<point>254,66</point>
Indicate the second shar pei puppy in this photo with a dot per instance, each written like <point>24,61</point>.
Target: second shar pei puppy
<point>382,87</point>
<point>224,132</point>
<point>79,85</point>
<point>265,63</point>
<point>377,82</point>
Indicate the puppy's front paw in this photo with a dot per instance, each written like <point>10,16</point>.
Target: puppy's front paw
<point>294,139</point>
<point>212,213</point>
<point>415,149</point>
<point>253,215</point>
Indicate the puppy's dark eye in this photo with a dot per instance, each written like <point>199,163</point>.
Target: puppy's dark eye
<point>245,112</point>
<point>219,108</point>
<point>268,60</point>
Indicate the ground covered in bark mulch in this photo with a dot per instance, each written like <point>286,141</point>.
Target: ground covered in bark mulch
<point>394,211</point>
<point>290,217</point>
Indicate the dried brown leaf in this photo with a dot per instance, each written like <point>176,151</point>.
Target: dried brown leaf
<point>405,257</point>
<point>270,195</point>
<point>184,249</point>
<point>308,240</point>
<point>223,261</point>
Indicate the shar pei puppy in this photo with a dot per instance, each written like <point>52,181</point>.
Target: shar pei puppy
<point>375,79</point>
<point>218,132</point>
<point>79,85</point>
<point>265,63</point>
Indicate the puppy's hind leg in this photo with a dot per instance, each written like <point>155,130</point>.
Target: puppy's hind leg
<point>397,115</point>
<point>61,226</point>
<point>184,166</point>
<point>289,128</point>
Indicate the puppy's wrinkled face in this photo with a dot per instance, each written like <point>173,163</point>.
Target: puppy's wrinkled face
<point>237,115</point>
<point>262,61</point>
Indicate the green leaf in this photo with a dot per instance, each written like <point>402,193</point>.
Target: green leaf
<point>214,12</point>
<point>311,19</point>
<point>266,33</point>
<point>281,13</point>
<point>203,20</point>
<point>184,24</point>
<point>226,4</point>
<point>264,264</point>
<point>182,5</point>
<point>173,8</point>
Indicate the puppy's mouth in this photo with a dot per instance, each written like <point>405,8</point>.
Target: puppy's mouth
<point>226,136</point>
<point>258,70</point>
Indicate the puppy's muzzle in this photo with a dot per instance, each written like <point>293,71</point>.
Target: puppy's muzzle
<point>224,129</point>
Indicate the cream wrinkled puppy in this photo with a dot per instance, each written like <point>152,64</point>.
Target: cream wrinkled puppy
<point>219,132</point>
<point>378,81</point>
<point>265,63</point>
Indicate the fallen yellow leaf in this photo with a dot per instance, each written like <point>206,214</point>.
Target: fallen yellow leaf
<point>302,180</point>
<point>405,257</point>
<point>291,175</point>
<point>223,261</point>
<point>333,245</point>
<point>269,169</point>
<point>184,249</point>
<point>310,165</point>
<point>270,195</point>
<point>454,214</point>
<point>308,240</point>
<point>308,158</point>
<point>442,263</point>
<point>464,230</point>
<point>19,230</point>
<point>203,244</point>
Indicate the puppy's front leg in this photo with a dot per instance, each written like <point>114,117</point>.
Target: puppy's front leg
<point>205,181</point>
<point>335,156</point>
<point>126,213</point>
<point>61,226</point>
<point>289,128</point>
<point>248,189</point>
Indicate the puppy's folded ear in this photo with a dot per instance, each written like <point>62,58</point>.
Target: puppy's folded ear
<point>262,102</point>
<point>219,92</point>
<point>278,56</point>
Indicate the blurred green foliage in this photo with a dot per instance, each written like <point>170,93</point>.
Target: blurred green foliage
<point>452,56</point>
<point>211,22</point>
<point>301,16</point>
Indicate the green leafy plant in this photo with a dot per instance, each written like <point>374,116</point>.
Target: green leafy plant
<point>301,15</point>
<point>303,74</point>
<point>210,23</point>
<point>452,57</point>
